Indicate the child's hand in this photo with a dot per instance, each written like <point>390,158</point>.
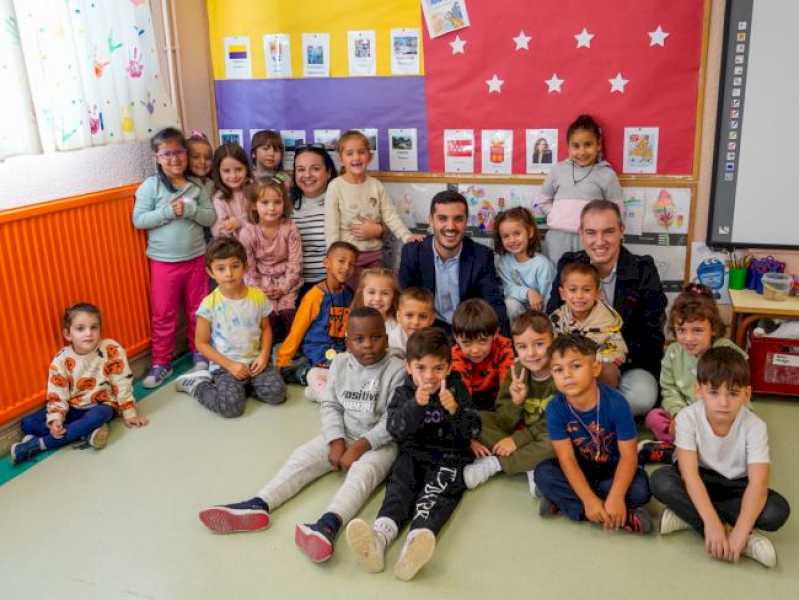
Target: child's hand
<point>504,447</point>
<point>416,237</point>
<point>595,511</point>
<point>56,429</point>
<point>353,453</point>
<point>363,229</point>
<point>177,207</point>
<point>737,539</point>
<point>239,370</point>
<point>716,542</point>
<point>673,427</point>
<point>617,512</point>
<point>518,388</point>
<point>337,449</point>
<point>478,449</point>
<point>259,364</point>
<point>447,399</point>
<point>231,224</point>
<point>137,421</point>
<point>535,299</point>
<point>422,396</point>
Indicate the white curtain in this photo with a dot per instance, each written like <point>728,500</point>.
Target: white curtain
<point>80,73</point>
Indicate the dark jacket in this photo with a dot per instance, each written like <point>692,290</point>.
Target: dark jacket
<point>430,430</point>
<point>477,277</point>
<point>640,301</point>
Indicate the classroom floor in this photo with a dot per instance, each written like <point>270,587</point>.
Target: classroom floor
<point>122,523</point>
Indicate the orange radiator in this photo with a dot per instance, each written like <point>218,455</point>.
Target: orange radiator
<point>80,249</point>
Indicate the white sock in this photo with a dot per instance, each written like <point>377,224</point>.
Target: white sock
<point>386,530</point>
<point>531,482</point>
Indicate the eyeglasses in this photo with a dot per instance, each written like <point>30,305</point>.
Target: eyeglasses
<point>169,154</point>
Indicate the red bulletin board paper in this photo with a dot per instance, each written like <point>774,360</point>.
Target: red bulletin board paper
<point>661,92</point>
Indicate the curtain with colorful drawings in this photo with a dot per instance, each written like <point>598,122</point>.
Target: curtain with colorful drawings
<point>92,69</point>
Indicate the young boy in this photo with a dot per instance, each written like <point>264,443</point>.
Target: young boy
<point>434,420</point>
<point>585,312</point>
<point>320,323</point>
<point>353,439</point>
<point>594,474</point>
<point>719,486</point>
<point>516,433</point>
<point>234,333</point>
<point>416,310</point>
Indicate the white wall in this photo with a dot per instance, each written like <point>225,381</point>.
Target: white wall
<point>38,178</point>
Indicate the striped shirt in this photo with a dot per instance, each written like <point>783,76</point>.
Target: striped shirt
<point>310,220</point>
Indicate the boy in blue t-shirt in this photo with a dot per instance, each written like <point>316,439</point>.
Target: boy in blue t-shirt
<point>594,475</point>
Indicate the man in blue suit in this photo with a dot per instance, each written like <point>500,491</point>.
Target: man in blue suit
<point>453,267</point>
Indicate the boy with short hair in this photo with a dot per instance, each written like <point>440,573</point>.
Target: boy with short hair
<point>234,333</point>
<point>434,420</point>
<point>516,433</point>
<point>320,323</point>
<point>354,439</point>
<point>415,311</point>
<point>585,312</point>
<point>719,486</point>
<point>595,473</point>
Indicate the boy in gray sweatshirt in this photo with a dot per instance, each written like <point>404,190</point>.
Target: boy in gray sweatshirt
<point>354,439</point>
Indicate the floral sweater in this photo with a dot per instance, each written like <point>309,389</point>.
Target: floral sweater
<point>482,380</point>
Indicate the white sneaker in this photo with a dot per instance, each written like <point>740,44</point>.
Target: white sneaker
<point>759,548</point>
<point>189,382</point>
<point>481,471</point>
<point>366,545</point>
<point>310,394</point>
<point>416,553</point>
<point>670,522</point>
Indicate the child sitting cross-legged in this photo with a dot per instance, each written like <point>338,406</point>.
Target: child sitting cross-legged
<point>517,432</point>
<point>354,439</point>
<point>595,473</point>
<point>433,419</point>
<point>234,333</point>
<point>719,486</point>
<point>416,311</point>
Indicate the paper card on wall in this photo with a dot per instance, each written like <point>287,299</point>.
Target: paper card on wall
<point>316,54</point>
<point>413,200</point>
<point>710,268</point>
<point>641,149</point>
<point>497,150</point>
<point>231,136</point>
<point>634,206</point>
<point>291,139</point>
<point>487,200</point>
<point>329,137</point>
<point>403,154</point>
<point>541,149</point>
<point>405,45</point>
<point>277,55</point>
<point>669,260</point>
<point>238,60</point>
<point>362,53</point>
<point>667,210</point>
<point>459,150</point>
<point>371,135</point>
<point>443,16</point>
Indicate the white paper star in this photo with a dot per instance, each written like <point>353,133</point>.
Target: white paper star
<point>554,84</point>
<point>584,38</point>
<point>458,45</point>
<point>658,37</point>
<point>522,41</point>
<point>494,84</point>
<point>617,83</point>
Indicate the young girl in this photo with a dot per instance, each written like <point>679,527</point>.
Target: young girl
<point>231,173</point>
<point>526,275</point>
<point>89,380</point>
<point>573,183</point>
<point>697,326</point>
<point>357,207</point>
<point>274,247</point>
<point>266,153</point>
<point>200,157</point>
<point>379,288</point>
<point>173,209</point>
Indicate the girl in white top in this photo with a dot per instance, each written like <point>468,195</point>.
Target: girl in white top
<point>379,289</point>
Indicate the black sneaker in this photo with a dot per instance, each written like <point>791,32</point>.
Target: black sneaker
<point>655,452</point>
<point>547,508</point>
<point>638,521</point>
<point>315,540</point>
<point>250,515</point>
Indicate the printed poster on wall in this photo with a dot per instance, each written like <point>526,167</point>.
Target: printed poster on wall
<point>371,135</point>
<point>231,136</point>
<point>291,139</point>
<point>277,55</point>
<point>238,61</point>
<point>402,151</point>
<point>361,51</point>
<point>459,150</point>
<point>640,149</point>
<point>541,149</point>
<point>329,137</point>
<point>405,45</point>
<point>443,16</point>
<point>316,54</point>
<point>497,150</point>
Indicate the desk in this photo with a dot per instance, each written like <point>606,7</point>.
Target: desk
<point>748,307</point>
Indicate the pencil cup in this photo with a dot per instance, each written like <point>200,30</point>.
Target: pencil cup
<point>737,279</point>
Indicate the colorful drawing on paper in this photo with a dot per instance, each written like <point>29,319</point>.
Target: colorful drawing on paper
<point>667,210</point>
<point>413,200</point>
<point>633,216</point>
<point>487,201</point>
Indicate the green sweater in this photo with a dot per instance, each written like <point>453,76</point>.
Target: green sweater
<point>511,417</point>
<point>678,375</point>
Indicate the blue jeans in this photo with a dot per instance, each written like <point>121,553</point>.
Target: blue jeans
<point>552,483</point>
<point>79,423</point>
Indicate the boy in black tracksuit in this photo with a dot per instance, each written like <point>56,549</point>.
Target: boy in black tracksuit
<point>433,419</point>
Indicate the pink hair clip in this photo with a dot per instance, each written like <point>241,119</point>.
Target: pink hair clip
<point>196,133</point>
